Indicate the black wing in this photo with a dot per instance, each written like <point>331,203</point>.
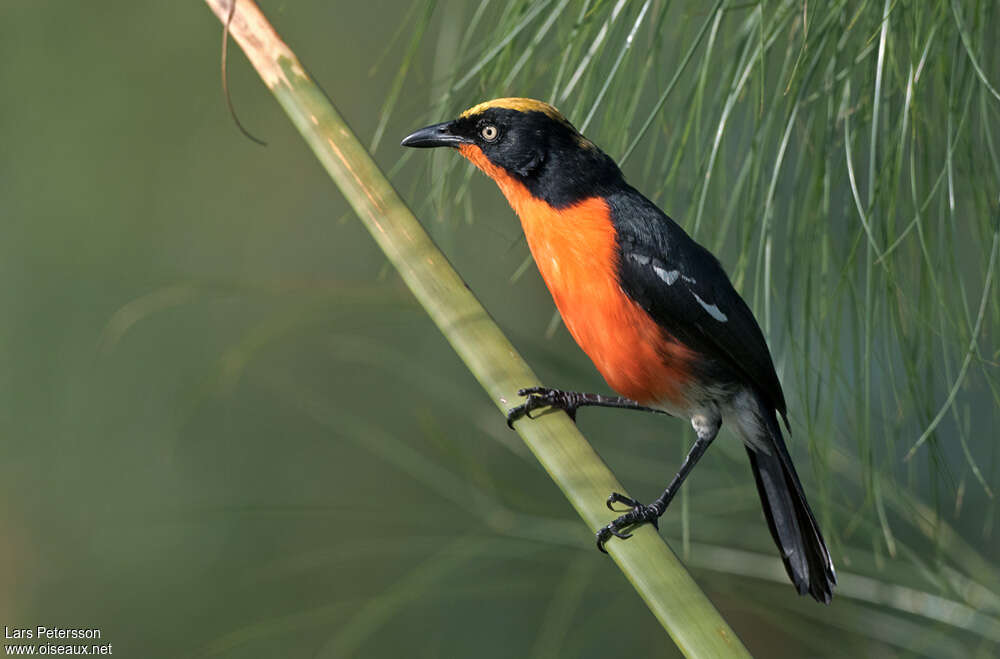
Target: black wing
<point>684,288</point>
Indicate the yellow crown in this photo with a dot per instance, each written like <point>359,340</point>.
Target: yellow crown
<point>519,104</point>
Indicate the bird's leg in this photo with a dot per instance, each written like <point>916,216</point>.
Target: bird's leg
<point>568,401</point>
<point>638,513</point>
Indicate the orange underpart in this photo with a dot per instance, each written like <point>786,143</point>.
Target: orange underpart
<point>576,252</point>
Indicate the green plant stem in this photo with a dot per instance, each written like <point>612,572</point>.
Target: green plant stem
<point>666,587</point>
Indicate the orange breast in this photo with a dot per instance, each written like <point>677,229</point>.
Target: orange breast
<point>575,251</point>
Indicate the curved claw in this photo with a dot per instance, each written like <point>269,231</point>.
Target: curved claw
<point>515,413</point>
<point>525,408</point>
<point>637,514</point>
<point>605,534</point>
<point>567,401</point>
<point>616,497</point>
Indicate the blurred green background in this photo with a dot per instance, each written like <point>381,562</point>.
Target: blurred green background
<point>227,430</point>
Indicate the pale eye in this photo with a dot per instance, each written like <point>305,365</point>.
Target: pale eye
<point>489,132</point>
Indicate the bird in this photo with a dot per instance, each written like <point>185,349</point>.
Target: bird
<point>653,310</point>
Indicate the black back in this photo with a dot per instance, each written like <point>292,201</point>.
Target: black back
<point>684,288</point>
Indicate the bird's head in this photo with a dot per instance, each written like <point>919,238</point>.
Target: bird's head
<point>526,146</point>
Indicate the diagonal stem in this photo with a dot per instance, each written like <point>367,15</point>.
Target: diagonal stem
<point>656,573</point>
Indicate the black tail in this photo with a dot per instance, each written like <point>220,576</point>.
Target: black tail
<point>792,524</point>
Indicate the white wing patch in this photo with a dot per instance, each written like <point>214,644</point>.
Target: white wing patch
<point>669,276</point>
<point>712,310</point>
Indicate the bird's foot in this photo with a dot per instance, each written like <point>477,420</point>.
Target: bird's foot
<point>638,513</point>
<point>567,401</point>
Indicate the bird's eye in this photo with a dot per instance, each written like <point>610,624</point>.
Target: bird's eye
<point>489,132</point>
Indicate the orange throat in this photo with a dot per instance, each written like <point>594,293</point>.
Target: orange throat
<point>576,251</point>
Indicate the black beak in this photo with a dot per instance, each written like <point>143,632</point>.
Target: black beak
<point>436,135</point>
